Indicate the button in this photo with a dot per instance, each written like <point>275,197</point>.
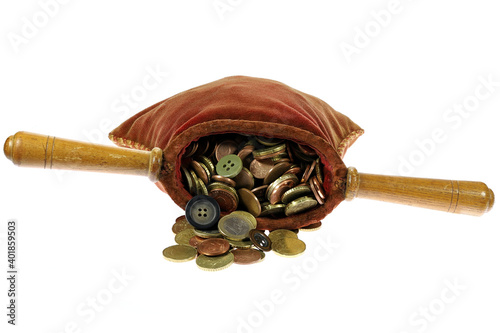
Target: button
<point>229,166</point>
<point>202,212</point>
<point>260,240</point>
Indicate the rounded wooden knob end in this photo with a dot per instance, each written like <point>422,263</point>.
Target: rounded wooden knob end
<point>491,199</point>
<point>8,147</point>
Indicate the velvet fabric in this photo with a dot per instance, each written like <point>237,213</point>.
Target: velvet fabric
<point>245,105</point>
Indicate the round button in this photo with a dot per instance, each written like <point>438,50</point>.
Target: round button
<point>229,166</point>
<point>202,212</point>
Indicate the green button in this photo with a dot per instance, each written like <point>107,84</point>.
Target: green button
<point>229,166</point>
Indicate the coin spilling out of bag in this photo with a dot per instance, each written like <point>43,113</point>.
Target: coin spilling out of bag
<point>241,178</point>
<point>234,241</point>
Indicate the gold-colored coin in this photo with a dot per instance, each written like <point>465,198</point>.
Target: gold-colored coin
<point>207,233</point>
<point>179,253</point>
<point>269,152</point>
<point>268,209</point>
<point>235,227</point>
<point>184,236</point>
<point>295,193</point>
<point>208,163</point>
<point>213,264</point>
<point>288,247</point>
<point>181,225</point>
<point>300,205</point>
<point>277,234</point>
<point>201,188</point>
<point>250,201</point>
<point>188,180</point>
<point>244,244</point>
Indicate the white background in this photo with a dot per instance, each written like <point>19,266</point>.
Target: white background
<point>78,230</point>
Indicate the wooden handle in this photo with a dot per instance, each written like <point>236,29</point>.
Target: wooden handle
<point>461,197</point>
<point>48,152</point>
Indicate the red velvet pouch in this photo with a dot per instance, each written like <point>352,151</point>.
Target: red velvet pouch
<point>244,105</point>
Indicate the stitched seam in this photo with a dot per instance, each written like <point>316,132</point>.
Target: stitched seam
<point>127,143</point>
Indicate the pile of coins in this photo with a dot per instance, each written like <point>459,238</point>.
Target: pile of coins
<point>234,241</point>
<point>263,176</point>
<point>243,177</point>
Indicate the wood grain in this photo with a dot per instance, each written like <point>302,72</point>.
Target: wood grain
<point>48,152</point>
<point>460,197</point>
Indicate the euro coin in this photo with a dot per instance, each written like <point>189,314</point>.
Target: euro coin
<point>213,264</point>
<point>289,247</point>
<point>179,253</point>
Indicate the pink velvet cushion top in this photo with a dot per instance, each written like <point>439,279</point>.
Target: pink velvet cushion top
<point>245,105</point>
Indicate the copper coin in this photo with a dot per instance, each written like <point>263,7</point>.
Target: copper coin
<point>275,195</point>
<point>203,145</point>
<point>260,240</point>
<point>260,168</point>
<point>307,150</point>
<point>195,240</point>
<point>276,171</point>
<point>244,179</point>
<point>318,187</point>
<point>311,227</point>
<point>245,152</point>
<point>314,189</point>
<point>200,171</point>
<point>225,180</point>
<point>224,148</point>
<point>191,149</point>
<point>250,201</point>
<point>310,168</point>
<point>319,171</point>
<point>294,169</point>
<point>260,192</point>
<point>213,247</point>
<point>227,201</point>
<point>246,256</point>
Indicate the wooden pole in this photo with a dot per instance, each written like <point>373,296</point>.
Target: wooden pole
<point>48,152</point>
<point>461,197</point>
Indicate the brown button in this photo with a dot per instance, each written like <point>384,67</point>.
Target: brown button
<point>213,247</point>
<point>224,148</point>
<point>260,168</point>
<point>260,240</point>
